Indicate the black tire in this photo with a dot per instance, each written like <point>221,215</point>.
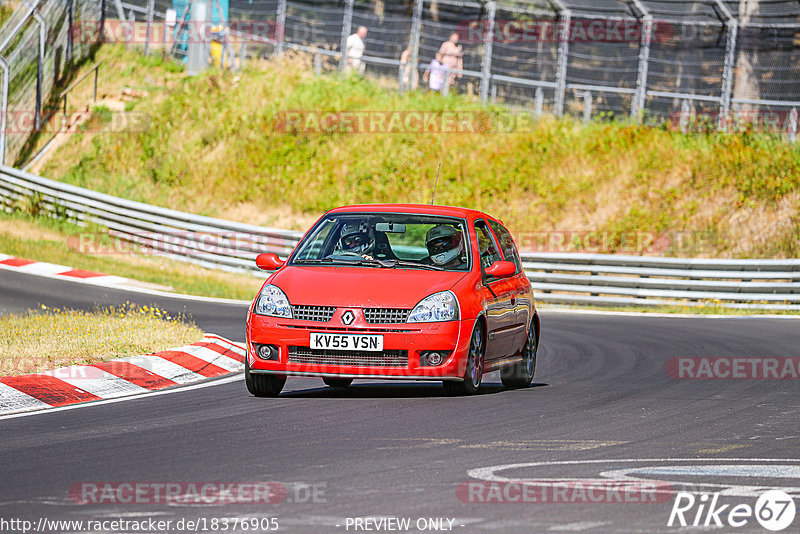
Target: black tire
<point>473,374</point>
<point>521,374</point>
<point>262,385</point>
<point>338,383</point>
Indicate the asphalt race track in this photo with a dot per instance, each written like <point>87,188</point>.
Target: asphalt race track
<point>602,407</point>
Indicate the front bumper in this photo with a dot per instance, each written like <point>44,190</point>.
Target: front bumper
<point>292,337</point>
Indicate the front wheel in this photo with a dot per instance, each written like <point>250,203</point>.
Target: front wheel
<point>473,374</point>
<point>521,374</point>
<point>337,383</point>
<point>262,385</point>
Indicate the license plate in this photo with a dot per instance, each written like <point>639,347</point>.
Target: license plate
<point>321,340</point>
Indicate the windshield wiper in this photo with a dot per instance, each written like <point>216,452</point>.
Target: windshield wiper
<point>403,263</point>
<point>343,261</point>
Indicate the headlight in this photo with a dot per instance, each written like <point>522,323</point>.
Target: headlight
<point>442,306</point>
<point>272,301</point>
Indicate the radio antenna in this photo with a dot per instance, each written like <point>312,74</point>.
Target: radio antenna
<point>436,183</point>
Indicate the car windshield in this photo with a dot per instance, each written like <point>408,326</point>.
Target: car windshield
<point>386,240</point>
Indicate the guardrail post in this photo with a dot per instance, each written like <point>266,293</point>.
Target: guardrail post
<point>587,107</point>
<point>446,86</point>
<point>280,27</point>
<point>149,33</point>
<point>4,109</point>
<point>793,125</point>
<point>413,56</point>
<point>488,41</point>
<point>494,94</point>
<point>565,23</point>
<point>317,64</point>
<point>347,23</point>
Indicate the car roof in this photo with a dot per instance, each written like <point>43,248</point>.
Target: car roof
<point>426,209</point>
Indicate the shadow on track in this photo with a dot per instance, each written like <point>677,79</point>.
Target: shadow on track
<point>403,390</point>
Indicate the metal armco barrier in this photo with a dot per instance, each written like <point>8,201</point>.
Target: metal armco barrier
<point>590,279</point>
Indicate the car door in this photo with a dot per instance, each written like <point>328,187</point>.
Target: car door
<point>499,295</point>
<point>523,293</point>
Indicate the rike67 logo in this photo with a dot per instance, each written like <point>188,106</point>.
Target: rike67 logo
<point>774,510</point>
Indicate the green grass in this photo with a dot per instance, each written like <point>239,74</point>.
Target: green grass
<point>215,146</point>
<point>54,241</point>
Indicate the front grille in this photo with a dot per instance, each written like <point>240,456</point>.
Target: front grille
<point>387,358</point>
<point>386,315</point>
<point>313,313</point>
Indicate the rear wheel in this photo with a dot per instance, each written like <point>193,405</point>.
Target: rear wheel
<point>474,371</point>
<point>262,385</point>
<point>521,374</point>
<point>337,383</point>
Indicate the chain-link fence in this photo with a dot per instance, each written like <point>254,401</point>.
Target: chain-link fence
<point>696,63</point>
<point>655,60</point>
<point>37,49</point>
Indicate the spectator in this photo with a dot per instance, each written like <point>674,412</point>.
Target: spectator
<point>435,74</point>
<point>408,72</point>
<point>355,49</point>
<point>452,56</point>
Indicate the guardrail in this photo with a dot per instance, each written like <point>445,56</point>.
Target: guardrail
<point>590,279</point>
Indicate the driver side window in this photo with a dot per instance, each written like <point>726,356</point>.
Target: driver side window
<point>486,246</point>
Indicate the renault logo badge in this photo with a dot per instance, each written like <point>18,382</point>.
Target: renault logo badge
<point>348,317</point>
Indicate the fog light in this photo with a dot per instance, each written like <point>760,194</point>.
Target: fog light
<point>433,358</point>
<point>267,352</point>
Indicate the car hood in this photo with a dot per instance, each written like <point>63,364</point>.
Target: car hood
<point>361,287</point>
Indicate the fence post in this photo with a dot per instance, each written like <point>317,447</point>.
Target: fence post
<point>131,25</point>
<point>347,23</point>
<point>538,102</point>
<point>793,125</point>
<point>40,65</point>
<point>101,37</point>
<point>71,37</point>
<point>637,106</point>
<point>488,41</point>
<point>413,56</point>
<point>730,62</point>
<point>684,118</point>
<point>587,107</point>
<point>280,27</point>
<point>565,16</point>
<point>446,86</point>
<point>4,109</point>
<point>120,10</point>
<point>494,94</point>
<point>317,64</point>
<point>149,33</point>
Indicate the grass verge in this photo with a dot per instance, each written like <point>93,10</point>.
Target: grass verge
<point>48,339</point>
<point>48,240</point>
<point>217,144</point>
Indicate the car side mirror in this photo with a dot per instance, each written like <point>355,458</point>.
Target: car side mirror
<point>269,261</point>
<point>501,269</point>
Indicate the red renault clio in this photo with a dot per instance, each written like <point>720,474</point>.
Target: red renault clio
<point>395,291</point>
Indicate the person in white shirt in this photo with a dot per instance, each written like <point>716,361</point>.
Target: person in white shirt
<point>435,74</point>
<point>355,49</point>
